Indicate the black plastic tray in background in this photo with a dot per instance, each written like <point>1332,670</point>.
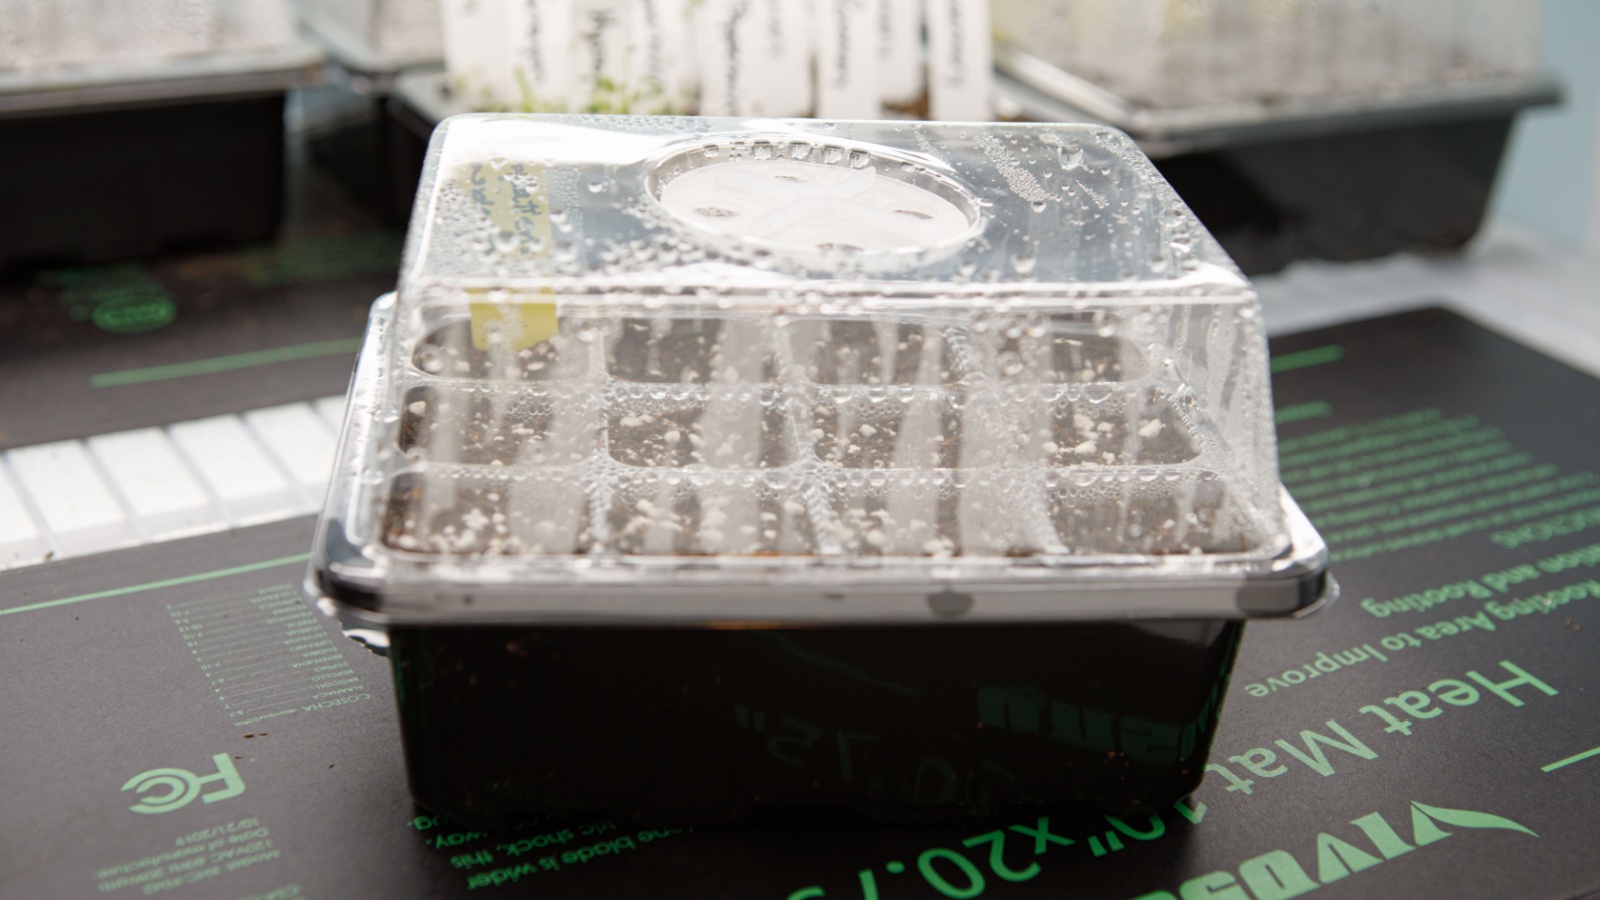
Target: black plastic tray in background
<point>376,151</point>
<point>124,182</point>
<point>360,151</point>
<point>1344,197</point>
<point>1349,187</point>
<point>376,147</point>
<point>1406,174</point>
<point>408,134</point>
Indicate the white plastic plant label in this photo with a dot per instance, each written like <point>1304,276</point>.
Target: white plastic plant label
<point>755,57</point>
<point>847,59</point>
<point>900,68</point>
<point>960,60</point>
<point>541,32</point>
<point>782,55</point>
<point>600,56</point>
<point>727,42</point>
<point>660,77</point>
<point>477,51</point>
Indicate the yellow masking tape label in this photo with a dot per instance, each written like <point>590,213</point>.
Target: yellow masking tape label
<point>519,325</point>
<point>513,197</point>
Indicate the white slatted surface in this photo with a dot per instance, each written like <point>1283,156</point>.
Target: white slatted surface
<point>331,409</point>
<point>74,504</point>
<point>241,473</point>
<point>1528,287</point>
<point>70,498</point>
<point>300,439</point>
<point>162,492</point>
<point>20,537</point>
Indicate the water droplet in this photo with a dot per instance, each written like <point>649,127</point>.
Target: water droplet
<point>1098,393</point>
<point>712,150</point>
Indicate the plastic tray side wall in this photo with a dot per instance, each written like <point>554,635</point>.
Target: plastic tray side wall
<point>702,724</point>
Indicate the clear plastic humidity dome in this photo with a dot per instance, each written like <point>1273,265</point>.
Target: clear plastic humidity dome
<point>714,377</point>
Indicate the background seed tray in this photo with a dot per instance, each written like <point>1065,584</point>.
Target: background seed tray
<point>199,154</point>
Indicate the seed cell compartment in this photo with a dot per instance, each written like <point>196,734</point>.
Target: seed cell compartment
<point>795,463</point>
<point>920,406</point>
